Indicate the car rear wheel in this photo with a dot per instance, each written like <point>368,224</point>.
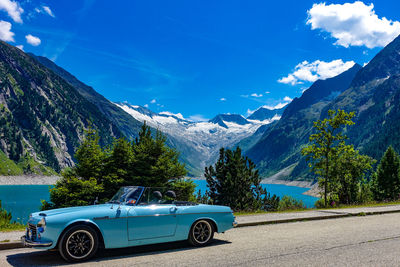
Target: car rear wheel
<point>79,243</point>
<point>201,233</point>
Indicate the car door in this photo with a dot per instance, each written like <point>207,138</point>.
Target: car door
<point>152,221</point>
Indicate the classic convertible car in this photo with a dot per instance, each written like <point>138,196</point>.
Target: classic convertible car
<point>134,216</point>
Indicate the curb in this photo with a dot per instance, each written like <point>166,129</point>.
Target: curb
<point>316,218</point>
<point>11,245</point>
<point>18,244</point>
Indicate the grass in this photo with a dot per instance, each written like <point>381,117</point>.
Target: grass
<point>7,166</point>
<point>12,227</point>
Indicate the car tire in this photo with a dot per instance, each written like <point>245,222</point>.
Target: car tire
<point>201,233</point>
<point>79,243</point>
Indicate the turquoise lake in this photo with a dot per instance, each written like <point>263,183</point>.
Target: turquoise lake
<point>21,200</point>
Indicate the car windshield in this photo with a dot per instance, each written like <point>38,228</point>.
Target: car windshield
<point>127,194</point>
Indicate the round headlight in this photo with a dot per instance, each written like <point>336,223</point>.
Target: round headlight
<point>42,223</point>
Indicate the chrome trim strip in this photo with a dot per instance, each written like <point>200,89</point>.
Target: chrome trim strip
<point>156,215</point>
<point>29,243</point>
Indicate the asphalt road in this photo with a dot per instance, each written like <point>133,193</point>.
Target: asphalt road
<point>353,241</point>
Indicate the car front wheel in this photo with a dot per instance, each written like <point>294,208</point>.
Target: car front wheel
<point>79,243</point>
<point>201,233</point>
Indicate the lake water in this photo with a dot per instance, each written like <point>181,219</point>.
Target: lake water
<point>21,200</point>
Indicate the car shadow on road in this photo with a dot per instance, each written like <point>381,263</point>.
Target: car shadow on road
<point>52,258</point>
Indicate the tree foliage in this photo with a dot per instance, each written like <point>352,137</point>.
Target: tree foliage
<point>386,179</point>
<point>324,146</point>
<point>235,182</point>
<point>99,172</point>
<point>348,175</point>
<point>339,167</point>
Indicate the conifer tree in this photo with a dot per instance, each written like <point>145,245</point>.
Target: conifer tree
<point>154,164</point>
<point>90,157</point>
<point>386,180</point>
<point>235,182</point>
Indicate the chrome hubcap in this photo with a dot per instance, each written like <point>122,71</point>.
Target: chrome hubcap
<point>79,244</point>
<point>202,232</point>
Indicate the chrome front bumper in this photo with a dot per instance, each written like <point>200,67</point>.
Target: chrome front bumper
<point>30,243</point>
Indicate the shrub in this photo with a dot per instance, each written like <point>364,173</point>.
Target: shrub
<point>289,203</point>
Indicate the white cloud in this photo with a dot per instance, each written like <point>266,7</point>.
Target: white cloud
<point>267,92</point>
<point>32,40</point>
<point>13,9</point>
<point>45,10</point>
<point>310,72</point>
<point>286,100</point>
<point>146,105</point>
<point>256,95</point>
<point>21,47</point>
<point>353,24</point>
<point>277,106</point>
<point>197,118</point>
<point>222,99</point>
<point>48,11</point>
<point>5,31</point>
<point>153,101</point>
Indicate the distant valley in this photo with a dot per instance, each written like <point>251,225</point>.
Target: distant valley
<point>44,111</point>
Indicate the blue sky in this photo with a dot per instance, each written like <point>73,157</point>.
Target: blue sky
<point>201,58</point>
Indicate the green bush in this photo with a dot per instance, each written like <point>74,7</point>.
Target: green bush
<point>333,202</point>
<point>5,220</point>
<point>289,203</point>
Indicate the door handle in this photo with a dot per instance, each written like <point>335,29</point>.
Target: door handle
<point>173,209</point>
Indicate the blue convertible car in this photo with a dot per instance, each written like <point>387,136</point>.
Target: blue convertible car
<point>134,216</point>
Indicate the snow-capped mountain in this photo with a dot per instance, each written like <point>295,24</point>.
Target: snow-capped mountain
<point>203,138</point>
<point>264,113</point>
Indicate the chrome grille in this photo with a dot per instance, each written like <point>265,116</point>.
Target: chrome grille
<point>32,231</point>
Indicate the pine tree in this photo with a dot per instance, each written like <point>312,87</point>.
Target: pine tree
<point>154,164</point>
<point>90,157</point>
<point>100,172</point>
<point>235,182</point>
<point>117,171</point>
<point>386,181</point>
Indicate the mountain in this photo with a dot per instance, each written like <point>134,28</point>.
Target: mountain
<point>264,113</point>
<point>198,142</point>
<point>223,119</point>
<point>43,117</point>
<point>374,95</point>
<point>280,145</point>
<point>125,123</point>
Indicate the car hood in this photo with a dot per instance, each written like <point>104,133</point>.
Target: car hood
<point>91,208</point>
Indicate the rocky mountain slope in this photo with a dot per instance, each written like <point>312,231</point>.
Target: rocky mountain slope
<point>125,123</point>
<point>42,117</point>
